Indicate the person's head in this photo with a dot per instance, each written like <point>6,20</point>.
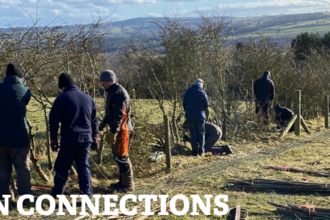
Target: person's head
<point>199,82</point>
<point>267,73</point>
<point>64,80</point>
<point>107,78</point>
<point>14,71</point>
<point>277,107</point>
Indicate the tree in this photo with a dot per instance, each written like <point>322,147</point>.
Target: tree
<point>326,40</point>
<point>304,43</point>
<point>43,52</point>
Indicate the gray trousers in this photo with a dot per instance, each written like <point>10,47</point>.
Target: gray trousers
<point>210,142</point>
<point>20,158</point>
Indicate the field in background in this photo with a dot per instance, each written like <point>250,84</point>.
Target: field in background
<point>280,26</point>
<point>213,179</point>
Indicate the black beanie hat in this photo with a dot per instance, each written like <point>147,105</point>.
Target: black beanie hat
<point>64,80</point>
<point>13,71</point>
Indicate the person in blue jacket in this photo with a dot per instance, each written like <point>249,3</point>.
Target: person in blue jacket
<point>76,112</point>
<point>195,103</point>
<point>14,138</point>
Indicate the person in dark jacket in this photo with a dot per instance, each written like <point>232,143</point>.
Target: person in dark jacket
<point>264,93</point>
<point>212,135</point>
<point>195,103</point>
<point>76,112</point>
<point>283,116</point>
<point>120,130</point>
<point>14,139</point>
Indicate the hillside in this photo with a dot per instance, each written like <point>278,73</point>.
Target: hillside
<point>282,27</point>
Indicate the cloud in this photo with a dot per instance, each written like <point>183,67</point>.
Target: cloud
<point>177,3</point>
<point>73,11</point>
<point>10,2</point>
<point>155,15</point>
<point>57,12</point>
<point>184,0</point>
<point>141,1</point>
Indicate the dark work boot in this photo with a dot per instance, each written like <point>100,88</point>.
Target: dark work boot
<point>227,149</point>
<point>117,184</point>
<point>127,178</point>
<point>126,183</point>
<point>124,189</point>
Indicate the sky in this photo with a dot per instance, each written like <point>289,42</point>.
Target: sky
<point>26,12</point>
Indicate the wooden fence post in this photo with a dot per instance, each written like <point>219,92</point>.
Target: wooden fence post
<point>290,124</point>
<point>167,143</point>
<point>304,125</point>
<point>238,212</point>
<point>326,112</point>
<point>297,111</point>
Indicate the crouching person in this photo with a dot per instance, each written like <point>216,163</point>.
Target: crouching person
<point>283,116</point>
<point>14,138</point>
<point>117,118</point>
<point>212,135</point>
<point>76,112</point>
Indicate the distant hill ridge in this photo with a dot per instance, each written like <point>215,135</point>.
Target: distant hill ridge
<point>281,27</point>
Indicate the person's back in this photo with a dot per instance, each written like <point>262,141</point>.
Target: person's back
<point>14,139</point>
<point>283,116</point>
<point>76,110</point>
<point>212,130</point>
<point>14,97</point>
<point>264,88</point>
<point>195,103</point>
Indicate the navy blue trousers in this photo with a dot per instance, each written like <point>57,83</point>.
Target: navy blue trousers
<point>79,153</point>
<point>197,136</point>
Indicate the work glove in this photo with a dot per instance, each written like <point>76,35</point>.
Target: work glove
<point>95,145</point>
<point>110,138</point>
<point>102,126</point>
<point>54,145</point>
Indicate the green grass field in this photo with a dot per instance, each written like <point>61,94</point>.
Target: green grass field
<point>314,26</point>
<point>209,175</point>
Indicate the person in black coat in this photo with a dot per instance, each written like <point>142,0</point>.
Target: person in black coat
<point>264,92</point>
<point>119,134</point>
<point>76,112</point>
<point>283,116</point>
